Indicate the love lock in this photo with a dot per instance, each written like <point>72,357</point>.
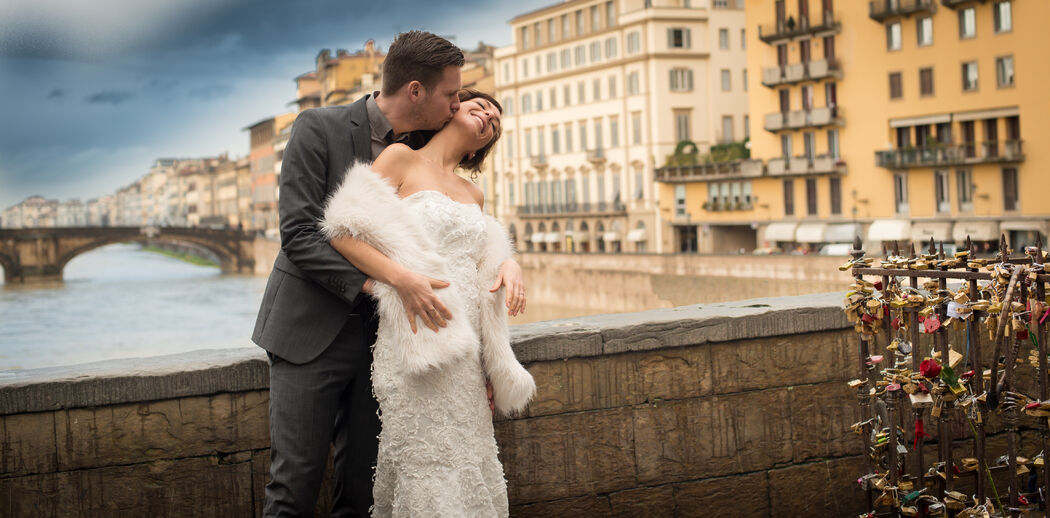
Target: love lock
<point>931,324</point>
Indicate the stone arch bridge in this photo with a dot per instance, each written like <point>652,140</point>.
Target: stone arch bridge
<point>31,254</point>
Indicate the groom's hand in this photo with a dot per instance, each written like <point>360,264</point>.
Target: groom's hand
<point>489,393</point>
<point>417,295</point>
<point>510,276</point>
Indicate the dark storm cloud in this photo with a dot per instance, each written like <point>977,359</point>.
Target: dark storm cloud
<point>210,92</point>
<point>56,94</point>
<point>113,97</point>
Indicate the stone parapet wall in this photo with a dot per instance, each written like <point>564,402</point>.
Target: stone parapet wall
<point>731,409</point>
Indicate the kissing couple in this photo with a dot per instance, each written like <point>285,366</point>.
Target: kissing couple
<point>392,281</point>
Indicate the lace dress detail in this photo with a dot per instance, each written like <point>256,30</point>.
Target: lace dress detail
<point>437,449</point>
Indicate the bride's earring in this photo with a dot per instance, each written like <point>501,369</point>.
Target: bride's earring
<point>471,157</point>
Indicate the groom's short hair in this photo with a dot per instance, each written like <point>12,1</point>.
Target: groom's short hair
<point>418,56</point>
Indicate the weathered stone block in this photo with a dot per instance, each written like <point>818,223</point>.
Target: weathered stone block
<point>188,487</point>
<point>580,507</point>
<point>781,361</point>
<point>708,437</point>
<point>826,488</point>
<point>567,455</point>
<point>620,380</point>
<point>741,496</point>
<point>643,502</point>
<point>821,416</point>
<point>168,429</point>
<point>28,444</point>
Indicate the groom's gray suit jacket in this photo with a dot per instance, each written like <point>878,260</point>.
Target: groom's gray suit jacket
<point>312,289</point>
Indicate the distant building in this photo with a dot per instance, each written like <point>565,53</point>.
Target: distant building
<point>262,157</point>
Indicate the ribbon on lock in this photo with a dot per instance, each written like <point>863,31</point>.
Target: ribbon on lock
<point>920,432</point>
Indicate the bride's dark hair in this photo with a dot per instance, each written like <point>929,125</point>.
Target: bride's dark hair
<point>473,162</point>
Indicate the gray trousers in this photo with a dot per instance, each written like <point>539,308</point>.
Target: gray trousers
<point>327,401</point>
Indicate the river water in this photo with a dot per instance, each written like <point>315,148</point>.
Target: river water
<point>120,302</point>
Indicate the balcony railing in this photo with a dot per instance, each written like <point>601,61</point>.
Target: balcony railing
<point>596,155</point>
<point>736,169</point>
<point>797,72</point>
<point>820,164</point>
<point>815,117</point>
<point>538,161</point>
<point>881,10</point>
<point>953,4</point>
<point>951,154</point>
<point>567,209</point>
<point>791,28</point>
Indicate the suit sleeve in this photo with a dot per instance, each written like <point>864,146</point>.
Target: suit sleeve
<point>304,173</point>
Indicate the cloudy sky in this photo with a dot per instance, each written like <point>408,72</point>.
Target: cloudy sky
<point>92,92</point>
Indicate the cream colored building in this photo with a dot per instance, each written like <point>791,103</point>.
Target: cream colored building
<point>597,95</point>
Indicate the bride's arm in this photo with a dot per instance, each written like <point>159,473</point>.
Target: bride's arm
<point>416,291</point>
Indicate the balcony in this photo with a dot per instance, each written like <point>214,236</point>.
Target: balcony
<point>937,155</point>
<point>735,170</point>
<point>538,161</point>
<point>955,4</point>
<point>816,117</point>
<point>798,72</point>
<point>882,10</point>
<point>799,165</point>
<point>596,156</point>
<point>571,209</point>
<point>788,29</point>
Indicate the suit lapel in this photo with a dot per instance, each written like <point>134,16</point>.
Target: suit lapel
<point>361,129</point>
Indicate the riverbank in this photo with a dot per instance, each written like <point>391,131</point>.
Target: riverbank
<point>193,259</point>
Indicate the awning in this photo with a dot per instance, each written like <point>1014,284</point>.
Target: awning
<point>810,233</point>
<point>781,231</point>
<point>611,236</point>
<point>920,121</point>
<point>1031,225</point>
<point>922,231</point>
<point>841,233</point>
<point>553,237</point>
<point>977,230</point>
<point>994,113</point>
<point>635,235</point>
<point>538,237</point>
<point>889,230</point>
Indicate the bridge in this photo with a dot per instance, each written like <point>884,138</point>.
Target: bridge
<point>33,254</point>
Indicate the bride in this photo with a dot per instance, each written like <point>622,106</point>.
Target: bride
<point>410,212</point>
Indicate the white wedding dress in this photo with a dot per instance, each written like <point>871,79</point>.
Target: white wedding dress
<point>437,450</point>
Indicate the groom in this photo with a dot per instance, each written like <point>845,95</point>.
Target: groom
<point>317,322</point>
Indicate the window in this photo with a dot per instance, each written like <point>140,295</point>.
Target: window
<point>524,38</point>
<point>743,39</point>
<point>553,97</point>
<point>785,100</point>
<point>610,48</point>
<point>727,128</point>
<point>789,197</point>
<point>610,15</point>
<point>809,144</point>
<point>550,31</point>
<point>581,93</point>
<point>829,47</point>
<point>681,80</point>
<point>785,145</point>
<point>541,140</point>
<point>539,101</point>
<point>597,86</point>
<point>583,136</point>
<point>636,128</point>
<point>596,51</point>
<point>807,97</point>
<point>893,36</point>
<point>566,58</point>
<point>681,118</point>
<point>634,42</point>
<point>601,187</point>
<point>579,22</point>
<point>833,143</point>
<point>747,126</point>
<point>585,187</point>
<point>943,196</point>
<point>581,55</point>
<point>967,23</point>
<point>969,76</point>
<point>524,68</point>
<point>595,18</point>
<point>835,186</point>
<point>536,34</point>
<point>1004,71</point>
<point>509,145</point>
<point>612,87</point>
<point>537,62</point>
<point>526,103</point>
<point>924,26</point>
<point>614,131</point>
<point>679,200</point>
<point>598,134</point>
<point>727,81</point>
<point>528,142</point>
<point>510,194</point>
<point>552,62</point>
<point>1004,19</point>
<point>565,95</point>
<point>900,192</point>
<point>723,39</point>
<point>926,81</point>
<point>632,84</point>
<point>744,80</point>
<point>896,90</point>
<point>964,186</point>
<point>565,27</point>
<point>508,106</point>
<point>1010,189</point>
<point>679,38</point>
<point>506,73</point>
<point>568,138</point>
<point>811,196</point>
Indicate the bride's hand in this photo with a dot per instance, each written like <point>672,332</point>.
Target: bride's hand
<point>489,393</point>
<point>510,276</point>
<point>417,295</point>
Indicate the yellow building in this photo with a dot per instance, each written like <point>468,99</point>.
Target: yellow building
<point>911,118</point>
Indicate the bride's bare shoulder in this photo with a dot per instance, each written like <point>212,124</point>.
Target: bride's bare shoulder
<point>394,161</point>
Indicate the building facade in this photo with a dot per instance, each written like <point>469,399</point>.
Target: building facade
<point>598,94</point>
<point>890,120</point>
